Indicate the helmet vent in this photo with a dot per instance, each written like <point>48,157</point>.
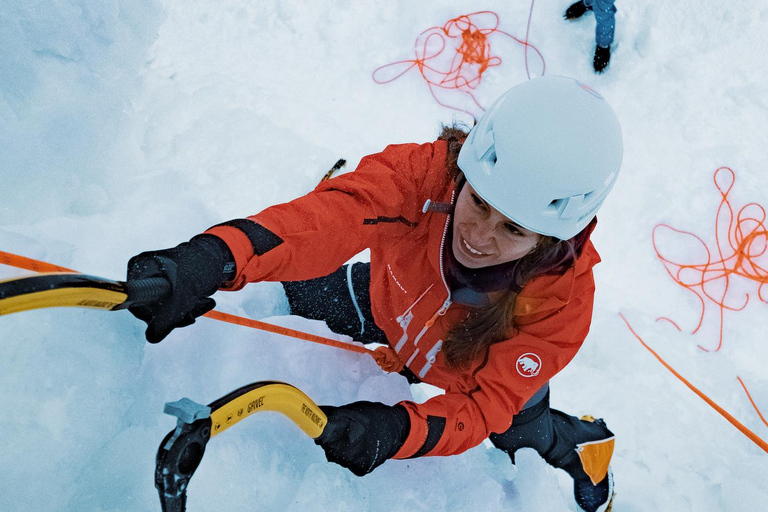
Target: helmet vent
<point>489,160</point>
<point>555,206</point>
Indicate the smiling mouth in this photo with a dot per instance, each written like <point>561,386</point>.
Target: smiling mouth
<point>472,250</point>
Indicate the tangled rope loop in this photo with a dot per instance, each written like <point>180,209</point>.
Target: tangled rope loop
<point>474,48</point>
<point>468,35</point>
<point>741,245</point>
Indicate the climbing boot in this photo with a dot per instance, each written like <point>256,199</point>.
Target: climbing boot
<point>602,56</point>
<point>576,11</point>
<point>594,498</point>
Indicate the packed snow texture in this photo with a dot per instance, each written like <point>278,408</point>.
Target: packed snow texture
<point>133,125</point>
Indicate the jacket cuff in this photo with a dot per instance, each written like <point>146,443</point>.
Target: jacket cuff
<point>242,251</point>
<point>417,435</point>
<point>425,433</point>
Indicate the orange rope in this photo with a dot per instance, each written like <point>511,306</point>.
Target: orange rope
<point>752,401</point>
<point>14,260</point>
<point>385,357</point>
<point>733,421</point>
<point>741,240</point>
<point>468,35</point>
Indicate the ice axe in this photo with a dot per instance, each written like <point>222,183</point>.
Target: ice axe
<point>181,451</point>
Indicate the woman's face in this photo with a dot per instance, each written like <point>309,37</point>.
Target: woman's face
<point>483,237</point>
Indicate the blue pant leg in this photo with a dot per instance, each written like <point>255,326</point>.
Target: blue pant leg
<point>605,16</point>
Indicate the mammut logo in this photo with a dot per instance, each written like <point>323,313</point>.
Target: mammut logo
<point>528,365</point>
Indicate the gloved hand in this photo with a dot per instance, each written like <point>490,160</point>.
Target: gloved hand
<point>195,270</point>
<point>360,436</point>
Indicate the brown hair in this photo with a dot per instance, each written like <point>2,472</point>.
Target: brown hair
<point>486,325</point>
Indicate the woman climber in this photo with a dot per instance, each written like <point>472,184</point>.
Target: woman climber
<point>480,279</point>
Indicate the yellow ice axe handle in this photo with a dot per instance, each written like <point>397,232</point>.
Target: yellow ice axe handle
<point>268,396</point>
<point>68,289</point>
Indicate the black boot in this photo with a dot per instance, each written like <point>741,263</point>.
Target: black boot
<point>576,11</point>
<point>594,498</point>
<point>602,56</point>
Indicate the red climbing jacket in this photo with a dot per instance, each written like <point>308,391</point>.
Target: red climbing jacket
<point>383,205</point>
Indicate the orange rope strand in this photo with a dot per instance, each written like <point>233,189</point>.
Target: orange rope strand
<point>14,260</point>
<point>385,357</point>
<point>468,36</point>
<point>733,421</point>
<point>752,401</point>
<point>741,246</point>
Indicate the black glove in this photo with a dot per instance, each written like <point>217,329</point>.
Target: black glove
<point>195,269</point>
<point>360,436</point>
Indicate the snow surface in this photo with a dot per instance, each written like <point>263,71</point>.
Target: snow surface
<point>128,125</point>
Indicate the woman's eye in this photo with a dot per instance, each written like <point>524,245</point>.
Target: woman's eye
<point>513,229</point>
<point>478,202</point>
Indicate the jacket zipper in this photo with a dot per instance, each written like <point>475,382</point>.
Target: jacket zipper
<point>447,302</point>
<point>440,312</point>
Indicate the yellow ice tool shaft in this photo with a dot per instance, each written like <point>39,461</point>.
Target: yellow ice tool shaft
<point>69,289</point>
<point>268,396</point>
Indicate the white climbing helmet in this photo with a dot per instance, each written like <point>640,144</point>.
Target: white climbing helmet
<point>545,155</point>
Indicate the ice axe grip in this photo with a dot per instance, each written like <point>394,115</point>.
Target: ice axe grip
<point>142,291</point>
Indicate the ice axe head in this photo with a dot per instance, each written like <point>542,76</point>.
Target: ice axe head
<point>180,453</point>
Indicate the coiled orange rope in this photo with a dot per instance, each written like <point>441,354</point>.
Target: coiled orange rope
<point>385,357</point>
<point>741,250</point>
<point>468,35</point>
